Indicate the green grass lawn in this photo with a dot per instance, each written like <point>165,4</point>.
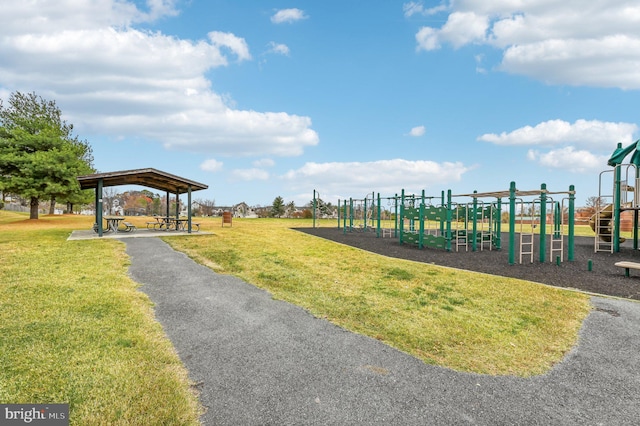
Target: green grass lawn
<point>76,329</point>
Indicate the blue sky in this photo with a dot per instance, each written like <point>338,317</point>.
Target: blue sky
<point>259,99</point>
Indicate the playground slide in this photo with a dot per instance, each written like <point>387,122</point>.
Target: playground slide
<point>605,226</point>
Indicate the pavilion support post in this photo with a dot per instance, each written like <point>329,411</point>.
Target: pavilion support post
<point>167,200</point>
<point>177,205</point>
<point>99,206</point>
<point>189,209</point>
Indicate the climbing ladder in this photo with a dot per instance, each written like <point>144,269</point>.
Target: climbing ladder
<point>602,221</point>
<point>460,231</point>
<point>527,238</point>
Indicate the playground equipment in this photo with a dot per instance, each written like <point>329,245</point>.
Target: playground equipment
<point>367,214</point>
<point>530,222</point>
<point>478,223</point>
<point>430,220</point>
<point>423,221</point>
<point>606,222</point>
<point>533,215</point>
<point>360,213</point>
<point>393,204</point>
<point>315,206</point>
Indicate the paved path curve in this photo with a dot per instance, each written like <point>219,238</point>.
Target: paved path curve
<point>265,362</point>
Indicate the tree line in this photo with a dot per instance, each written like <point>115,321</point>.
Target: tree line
<point>281,209</point>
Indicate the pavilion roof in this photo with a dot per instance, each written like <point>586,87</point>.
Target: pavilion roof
<point>148,177</point>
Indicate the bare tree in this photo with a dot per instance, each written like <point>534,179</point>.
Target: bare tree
<point>290,209</point>
<point>109,194</point>
<point>206,206</point>
<point>594,204</point>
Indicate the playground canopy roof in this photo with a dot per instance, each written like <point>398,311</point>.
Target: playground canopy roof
<point>148,177</point>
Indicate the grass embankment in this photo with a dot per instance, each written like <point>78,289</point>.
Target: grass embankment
<point>76,330</point>
<point>461,320</point>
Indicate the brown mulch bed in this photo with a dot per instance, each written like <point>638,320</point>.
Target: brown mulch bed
<point>604,278</point>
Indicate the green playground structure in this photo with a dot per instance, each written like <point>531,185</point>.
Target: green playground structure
<point>448,223</point>
<point>606,223</point>
<point>431,222</point>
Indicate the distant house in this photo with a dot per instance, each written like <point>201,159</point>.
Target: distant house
<point>243,210</point>
<point>195,208</point>
<point>135,211</point>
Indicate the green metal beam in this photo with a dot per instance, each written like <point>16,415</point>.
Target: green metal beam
<point>99,207</point>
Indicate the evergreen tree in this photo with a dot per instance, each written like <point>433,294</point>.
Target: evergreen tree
<point>278,207</point>
<point>39,156</point>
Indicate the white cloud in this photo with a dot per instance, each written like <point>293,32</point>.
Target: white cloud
<point>581,147</point>
<point>479,68</point>
<point>461,28</point>
<point>412,8</point>
<point>354,179</point>
<point>288,16</point>
<point>555,42</point>
<point>249,174</point>
<point>428,39</point>
<point>235,44</point>
<point>113,79</point>
<point>587,133</point>
<point>417,131</point>
<point>417,8</point>
<point>240,133</point>
<point>160,8</point>
<point>211,165</point>
<point>278,48</point>
<point>264,162</point>
<point>568,158</point>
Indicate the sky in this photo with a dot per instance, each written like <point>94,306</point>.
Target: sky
<point>260,99</point>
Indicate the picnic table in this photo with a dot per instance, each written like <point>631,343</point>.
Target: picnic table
<point>179,224</point>
<point>113,222</point>
<point>168,223</point>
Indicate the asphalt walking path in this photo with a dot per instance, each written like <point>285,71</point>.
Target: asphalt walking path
<point>259,361</point>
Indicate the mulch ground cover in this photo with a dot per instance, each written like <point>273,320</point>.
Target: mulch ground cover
<point>604,278</point>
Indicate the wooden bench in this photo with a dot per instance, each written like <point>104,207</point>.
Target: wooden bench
<point>627,266</point>
<point>129,227</point>
<point>152,225</point>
